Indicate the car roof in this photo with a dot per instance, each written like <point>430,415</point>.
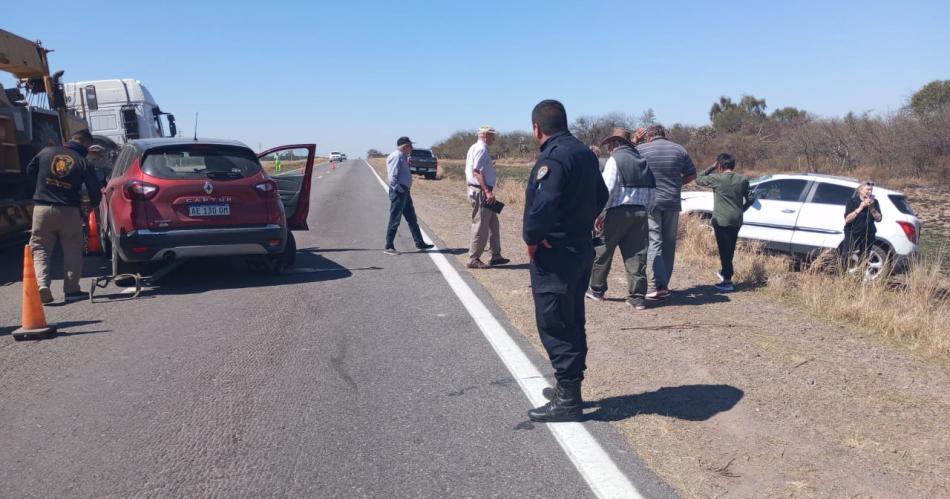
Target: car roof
<point>831,179</point>
<point>146,144</point>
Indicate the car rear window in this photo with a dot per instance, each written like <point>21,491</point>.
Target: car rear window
<point>902,205</point>
<point>421,153</point>
<point>827,193</point>
<point>200,161</point>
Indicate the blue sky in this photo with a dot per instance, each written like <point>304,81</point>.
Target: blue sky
<point>358,74</point>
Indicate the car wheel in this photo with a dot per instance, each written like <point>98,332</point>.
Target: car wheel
<point>879,262</point>
<point>430,176</point>
<point>286,260</point>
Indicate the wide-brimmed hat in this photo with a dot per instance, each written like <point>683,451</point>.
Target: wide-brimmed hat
<point>619,134</point>
<point>487,129</point>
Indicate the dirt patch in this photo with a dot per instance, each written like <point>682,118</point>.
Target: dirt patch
<point>738,394</point>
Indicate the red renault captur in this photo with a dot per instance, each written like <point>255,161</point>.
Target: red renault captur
<point>167,199</point>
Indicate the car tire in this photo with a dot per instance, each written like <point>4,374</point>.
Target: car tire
<point>286,260</point>
<point>430,176</point>
<point>879,262</point>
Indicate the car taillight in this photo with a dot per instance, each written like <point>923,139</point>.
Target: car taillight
<point>136,189</point>
<point>910,230</point>
<point>267,189</point>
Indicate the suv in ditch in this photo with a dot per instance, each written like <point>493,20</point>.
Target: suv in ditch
<point>167,199</point>
<point>803,214</point>
<point>423,162</point>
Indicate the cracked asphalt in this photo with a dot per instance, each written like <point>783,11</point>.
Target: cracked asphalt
<point>357,375</point>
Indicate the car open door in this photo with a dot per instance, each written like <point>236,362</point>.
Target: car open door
<point>291,166</point>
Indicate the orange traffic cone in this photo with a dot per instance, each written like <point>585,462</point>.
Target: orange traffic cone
<point>93,245</point>
<point>34,319</point>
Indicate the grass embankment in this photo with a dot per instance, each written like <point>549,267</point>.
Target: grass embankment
<point>915,313</point>
<point>912,310</point>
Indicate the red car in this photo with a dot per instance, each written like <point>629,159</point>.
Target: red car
<point>177,198</point>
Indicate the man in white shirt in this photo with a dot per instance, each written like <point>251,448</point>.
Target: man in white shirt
<point>624,221</point>
<point>481,177</point>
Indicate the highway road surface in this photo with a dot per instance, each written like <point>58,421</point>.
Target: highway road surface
<point>357,375</point>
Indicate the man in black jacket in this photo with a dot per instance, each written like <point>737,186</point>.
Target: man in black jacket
<point>565,194</point>
<point>59,174</point>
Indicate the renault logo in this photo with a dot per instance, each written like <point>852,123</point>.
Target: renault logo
<point>208,187</point>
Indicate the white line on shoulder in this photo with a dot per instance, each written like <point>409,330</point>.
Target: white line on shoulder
<point>594,464</point>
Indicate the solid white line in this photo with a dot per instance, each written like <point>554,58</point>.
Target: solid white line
<point>598,469</point>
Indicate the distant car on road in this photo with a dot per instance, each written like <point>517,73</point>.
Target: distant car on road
<point>337,157</point>
<point>167,199</point>
<point>342,156</point>
<point>423,162</point>
<point>803,214</point>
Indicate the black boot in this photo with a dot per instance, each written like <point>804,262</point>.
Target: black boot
<point>566,405</point>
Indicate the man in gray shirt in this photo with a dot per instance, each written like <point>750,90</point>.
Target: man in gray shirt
<point>400,201</point>
<point>673,168</point>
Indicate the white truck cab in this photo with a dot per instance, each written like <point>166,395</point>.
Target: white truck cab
<point>118,111</point>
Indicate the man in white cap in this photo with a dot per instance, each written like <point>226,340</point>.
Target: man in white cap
<point>480,175</point>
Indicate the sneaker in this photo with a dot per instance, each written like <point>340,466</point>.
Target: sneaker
<point>637,303</point>
<point>660,294</point>
<point>498,260</point>
<point>390,251</point>
<point>725,286</point>
<point>424,246</point>
<point>46,296</point>
<point>593,295</point>
<point>475,263</point>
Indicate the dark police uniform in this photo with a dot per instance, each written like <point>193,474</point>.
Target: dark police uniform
<point>59,174</point>
<point>564,195</point>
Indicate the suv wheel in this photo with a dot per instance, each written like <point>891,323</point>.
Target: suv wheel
<point>286,260</point>
<point>879,262</point>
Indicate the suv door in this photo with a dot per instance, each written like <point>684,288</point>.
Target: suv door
<point>820,223</point>
<point>291,166</point>
<point>772,218</point>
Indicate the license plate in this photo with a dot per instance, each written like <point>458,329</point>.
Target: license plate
<point>208,210</point>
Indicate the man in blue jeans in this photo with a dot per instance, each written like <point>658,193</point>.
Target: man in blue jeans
<point>673,168</point>
<point>400,201</point>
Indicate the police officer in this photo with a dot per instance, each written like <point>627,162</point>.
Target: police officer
<point>565,193</point>
<point>60,172</point>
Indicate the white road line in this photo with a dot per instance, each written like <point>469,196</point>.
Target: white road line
<point>127,291</point>
<point>598,469</point>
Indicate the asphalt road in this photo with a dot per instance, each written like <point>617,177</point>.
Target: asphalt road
<point>359,374</point>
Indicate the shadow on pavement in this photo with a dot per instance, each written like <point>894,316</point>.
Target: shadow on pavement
<point>11,266</point>
<point>687,402</point>
<point>199,276</point>
<point>60,328</point>
<point>448,251</point>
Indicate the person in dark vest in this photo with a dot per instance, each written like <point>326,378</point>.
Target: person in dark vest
<point>565,193</point>
<point>58,174</point>
<point>624,222</point>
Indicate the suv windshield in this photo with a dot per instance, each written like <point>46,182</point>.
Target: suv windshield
<point>421,153</point>
<point>200,161</point>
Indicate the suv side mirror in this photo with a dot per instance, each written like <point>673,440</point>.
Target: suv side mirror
<point>172,127</point>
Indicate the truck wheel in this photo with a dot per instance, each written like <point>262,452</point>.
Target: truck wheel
<point>430,176</point>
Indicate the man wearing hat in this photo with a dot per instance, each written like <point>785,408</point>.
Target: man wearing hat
<point>480,175</point>
<point>400,201</point>
<point>624,221</point>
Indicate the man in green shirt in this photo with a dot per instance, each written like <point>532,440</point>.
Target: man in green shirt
<point>731,198</point>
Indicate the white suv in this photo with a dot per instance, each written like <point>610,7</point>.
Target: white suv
<point>804,214</point>
<point>336,157</point>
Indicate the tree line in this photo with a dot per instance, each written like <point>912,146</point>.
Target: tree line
<point>912,141</point>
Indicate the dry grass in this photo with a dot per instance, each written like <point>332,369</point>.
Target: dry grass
<point>914,312</point>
